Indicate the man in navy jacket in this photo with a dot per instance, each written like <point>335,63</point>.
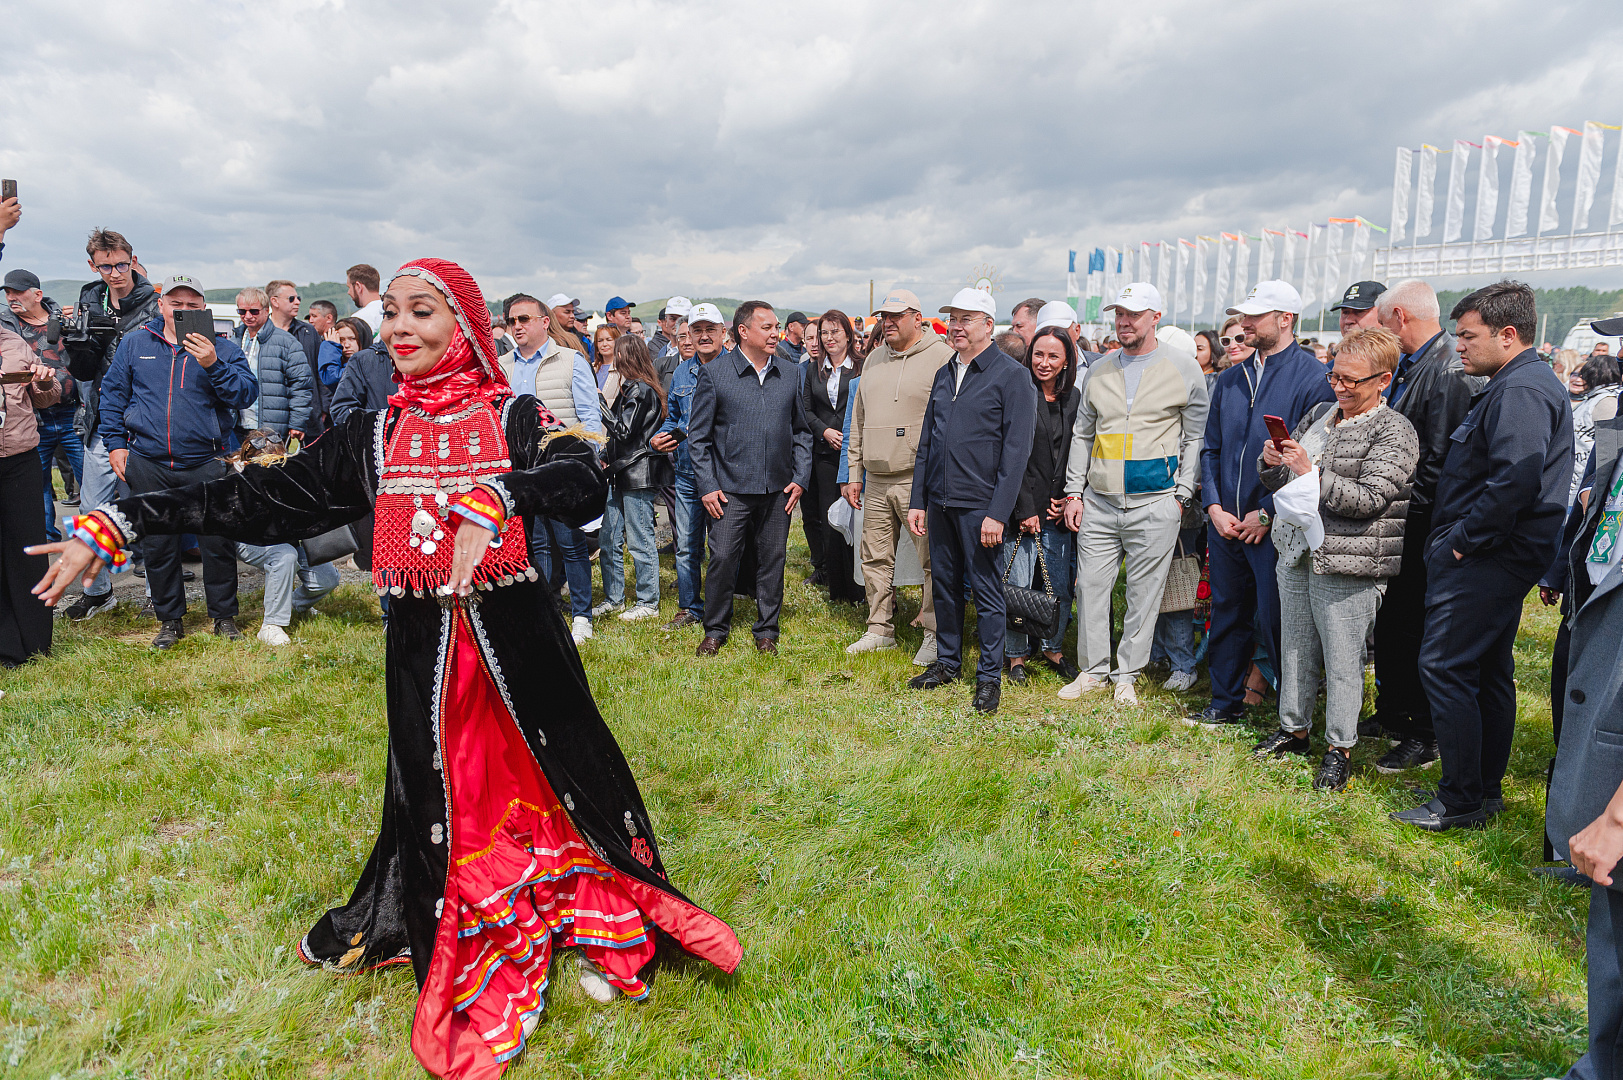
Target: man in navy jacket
<point>1495,528</point>
<point>1280,379</point>
<point>166,411</point>
<point>973,446</point>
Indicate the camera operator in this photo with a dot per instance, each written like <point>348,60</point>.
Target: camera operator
<point>108,309</point>
<point>31,314</point>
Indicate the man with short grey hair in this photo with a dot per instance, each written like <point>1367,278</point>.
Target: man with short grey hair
<point>1024,318</point>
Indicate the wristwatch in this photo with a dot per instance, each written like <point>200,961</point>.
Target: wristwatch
<point>1263,519</point>
<point>1184,501</point>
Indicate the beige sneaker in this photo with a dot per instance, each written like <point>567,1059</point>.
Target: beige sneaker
<point>1082,684</point>
<point>927,653</point>
<point>870,642</point>
<point>1125,694</point>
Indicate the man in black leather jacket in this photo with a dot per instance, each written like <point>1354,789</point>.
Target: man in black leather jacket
<point>1432,390</point>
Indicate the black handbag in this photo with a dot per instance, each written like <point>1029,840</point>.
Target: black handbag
<point>330,546</point>
<point>1027,611</point>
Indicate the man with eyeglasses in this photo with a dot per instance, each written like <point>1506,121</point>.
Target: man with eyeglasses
<point>284,313</point>
<point>285,379</point>
<point>973,445</point>
<point>887,412</point>
<point>708,332</point>
<point>1279,378</point>
<point>122,293</point>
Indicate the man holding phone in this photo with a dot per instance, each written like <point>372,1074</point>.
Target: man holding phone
<point>168,401</point>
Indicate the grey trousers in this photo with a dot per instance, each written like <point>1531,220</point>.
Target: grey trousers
<point>291,584</point>
<point>1323,622</point>
<point>1142,539</point>
<point>1604,953</point>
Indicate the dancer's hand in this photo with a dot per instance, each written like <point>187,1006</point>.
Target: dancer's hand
<point>78,561</point>
<point>471,541</point>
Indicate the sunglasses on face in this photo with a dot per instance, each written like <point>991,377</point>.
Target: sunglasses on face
<point>249,311</point>
<point>1238,339</point>
<point>523,320</point>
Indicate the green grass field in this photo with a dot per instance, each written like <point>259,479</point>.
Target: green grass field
<point>1055,891</point>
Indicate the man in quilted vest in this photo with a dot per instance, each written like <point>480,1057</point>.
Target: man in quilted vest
<point>1135,457</point>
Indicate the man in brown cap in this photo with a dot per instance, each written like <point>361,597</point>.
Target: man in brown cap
<point>885,420</point>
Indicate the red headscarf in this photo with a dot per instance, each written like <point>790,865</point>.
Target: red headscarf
<point>468,371</point>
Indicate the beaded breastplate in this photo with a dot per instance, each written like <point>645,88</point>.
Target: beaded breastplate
<point>426,462</point>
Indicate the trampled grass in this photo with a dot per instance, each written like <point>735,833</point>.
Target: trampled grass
<point>1058,891</point>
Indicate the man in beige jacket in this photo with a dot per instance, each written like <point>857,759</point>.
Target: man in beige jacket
<point>885,420</point>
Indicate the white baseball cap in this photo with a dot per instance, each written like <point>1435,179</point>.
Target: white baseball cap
<point>705,313</point>
<point>972,300</point>
<point>1176,338</point>
<point>562,300</point>
<point>1137,296</point>
<point>1056,313</point>
<point>679,305</point>
<point>1269,296</point>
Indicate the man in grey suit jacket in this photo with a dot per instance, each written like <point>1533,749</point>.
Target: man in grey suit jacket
<point>1584,813</point>
<point>751,448</point>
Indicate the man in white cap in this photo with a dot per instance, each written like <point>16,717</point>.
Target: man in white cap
<point>1281,379</point>
<point>1135,459</point>
<point>671,316</point>
<point>886,417</point>
<point>973,447</point>
<point>1061,313</point>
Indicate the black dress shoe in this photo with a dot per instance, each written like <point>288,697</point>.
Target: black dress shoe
<point>1406,755</point>
<point>1066,670</point>
<point>1281,743</point>
<point>1567,875</point>
<point>1435,817</point>
<point>1213,717</point>
<point>1494,806</point>
<point>227,628</point>
<point>169,635</point>
<point>987,696</point>
<point>1017,674</point>
<point>815,578</point>
<point>937,674</point>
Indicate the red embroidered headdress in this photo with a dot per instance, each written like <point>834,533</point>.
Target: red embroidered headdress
<point>450,437</point>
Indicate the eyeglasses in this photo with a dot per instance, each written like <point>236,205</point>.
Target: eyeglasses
<point>965,320</point>
<point>1238,339</point>
<point>249,311</point>
<point>113,268</point>
<point>1348,383</point>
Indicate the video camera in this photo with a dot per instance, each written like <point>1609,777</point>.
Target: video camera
<point>86,325</point>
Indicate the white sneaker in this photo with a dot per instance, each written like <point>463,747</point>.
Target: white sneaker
<point>596,986</point>
<point>1125,694</point>
<point>926,654</point>
<point>605,608</point>
<point>1082,684</point>
<point>1180,681</point>
<point>580,629</point>
<point>870,642</point>
<point>638,613</point>
<point>273,635</point>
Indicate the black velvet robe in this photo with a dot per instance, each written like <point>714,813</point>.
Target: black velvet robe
<point>525,643</point>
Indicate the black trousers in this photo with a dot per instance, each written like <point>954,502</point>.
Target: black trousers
<point>1468,667</point>
<point>824,489</point>
<point>25,622</point>
<point>1401,704</point>
<point>742,516</point>
<point>163,552</point>
<point>957,557</point>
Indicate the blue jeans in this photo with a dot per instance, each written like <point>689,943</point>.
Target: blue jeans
<point>99,485</point>
<point>1175,640</point>
<point>691,521</point>
<point>57,431</point>
<point>628,522</point>
<point>549,538</point>
<point>291,583</point>
<point>1059,551</point>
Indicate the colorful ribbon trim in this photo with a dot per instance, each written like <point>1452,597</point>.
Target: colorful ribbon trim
<point>102,539</point>
<point>482,508</point>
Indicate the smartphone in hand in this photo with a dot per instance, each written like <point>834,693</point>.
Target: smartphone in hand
<point>189,321</point>
<point>8,190</point>
<point>1277,431</point>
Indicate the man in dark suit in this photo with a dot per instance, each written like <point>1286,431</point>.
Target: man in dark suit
<point>1496,527</point>
<point>751,450</point>
<point>1584,811</point>
<point>972,455</point>
<point>1432,390</point>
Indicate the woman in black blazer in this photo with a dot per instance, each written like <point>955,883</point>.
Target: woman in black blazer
<point>826,388</point>
<point>1039,510</point>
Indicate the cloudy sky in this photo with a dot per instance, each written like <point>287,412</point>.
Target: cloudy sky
<point>789,150</point>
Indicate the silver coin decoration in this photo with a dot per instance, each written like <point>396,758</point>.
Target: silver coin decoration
<point>429,547</point>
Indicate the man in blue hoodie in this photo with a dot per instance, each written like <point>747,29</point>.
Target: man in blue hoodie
<point>1280,379</point>
<point>167,409</point>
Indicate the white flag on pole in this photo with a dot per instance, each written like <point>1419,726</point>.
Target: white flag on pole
<point>1332,261</point>
<point>1425,191</point>
<point>1112,282</point>
<point>1144,268</point>
<point>1309,281</point>
<point>1242,267</point>
<point>1185,249</point>
<point>1487,188</point>
<point>1220,291</point>
<point>1616,217</point>
<point>1202,253</point>
<point>1163,271</point>
<point>1287,263</point>
<point>1400,192</point>
<point>1454,213</point>
<point>1588,172</point>
<point>1265,256</point>
<point>1360,252</point>
<point>1549,215</point>
<point>1521,184</point>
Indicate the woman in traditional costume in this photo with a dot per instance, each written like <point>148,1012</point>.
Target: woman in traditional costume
<point>511,821</point>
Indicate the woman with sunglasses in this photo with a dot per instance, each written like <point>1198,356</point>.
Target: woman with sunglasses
<point>1332,572</point>
<point>1232,339</point>
<point>512,824</point>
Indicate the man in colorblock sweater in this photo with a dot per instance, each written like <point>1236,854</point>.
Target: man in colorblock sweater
<point>1135,457</point>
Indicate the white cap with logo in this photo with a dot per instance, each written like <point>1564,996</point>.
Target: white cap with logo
<point>1269,296</point>
<point>972,300</point>
<point>897,301</point>
<point>1056,313</point>
<point>562,300</point>
<point>678,305</point>
<point>704,313</point>
<point>1137,296</point>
